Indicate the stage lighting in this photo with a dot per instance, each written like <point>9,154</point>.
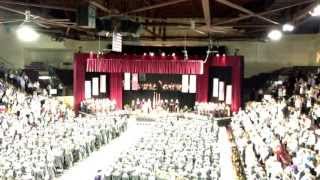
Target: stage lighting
<point>275,35</point>
<point>287,27</point>
<point>163,54</point>
<point>173,54</point>
<point>144,54</point>
<point>27,33</point>
<point>151,54</point>
<point>316,11</point>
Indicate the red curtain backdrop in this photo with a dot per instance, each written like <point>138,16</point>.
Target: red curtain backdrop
<point>237,64</point>
<point>202,84</point>
<point>79,70</point>
<point>145,66</point>
<point>116,88</point>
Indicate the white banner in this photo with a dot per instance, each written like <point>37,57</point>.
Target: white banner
<point>185,83</point>
<point>229,95</point>
<point>127,82</point>
<point>87,89</point>
<point>103,83</point>
<point>193,84</point>
<point>135,82</point>
<point>215,88</point>
<point>221,91</point>
<point>95,86</point>
<point>116,42</point>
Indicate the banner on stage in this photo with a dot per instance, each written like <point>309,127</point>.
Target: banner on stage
<point>185,83</point>
<point>135,82</point>
<point>95,86</point>
<point>229,95</point>
<point>215,88</point>
<point>127,82</point>
<point>87,89</point>
<point>193,84</point>
<point>103,83</point>
<point>221,91</point>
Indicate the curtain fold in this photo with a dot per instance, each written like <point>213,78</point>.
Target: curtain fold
<point>116,89</point>
<point>79,70</point>
<point>144,66</point>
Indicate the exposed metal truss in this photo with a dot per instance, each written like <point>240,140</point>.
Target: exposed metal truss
<point>164,19</point>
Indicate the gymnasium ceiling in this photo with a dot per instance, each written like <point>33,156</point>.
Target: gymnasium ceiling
<point>168,19</point>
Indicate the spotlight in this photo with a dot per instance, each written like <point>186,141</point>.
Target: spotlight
<point>27,33</point>
<point>144,54</point>
<point>316,11</point>
<point>224,55</point>
<point>287,27</point>
<point>218,55</point>
<point>151,54</point>
<point>275,35</point>
<point>173,54</point>
<point>163,54</point>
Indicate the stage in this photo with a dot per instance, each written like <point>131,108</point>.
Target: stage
<point>112,70</point>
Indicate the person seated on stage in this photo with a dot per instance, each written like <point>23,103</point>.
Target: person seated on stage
<point>95,106</point>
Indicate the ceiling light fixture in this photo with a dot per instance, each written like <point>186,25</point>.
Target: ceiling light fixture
<point>287,27</point>
<point>25,32</point>
<point>315,11</point>
<point>275,35</point>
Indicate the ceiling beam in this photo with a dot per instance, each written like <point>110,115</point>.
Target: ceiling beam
<point>190,38</point>
<point>102,7</point>
<point>45,20</point>
<point>248,26</point>
<point>38,5</point>
<point>263,13</point>
<point>206,12</point>
<point>242,9</point>
<point>12,10</point>
<point>154,34</point>
<point>155,6</point>
<point>303,12</point>
<point>179,25</point>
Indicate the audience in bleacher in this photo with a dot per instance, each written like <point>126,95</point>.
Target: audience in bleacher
<point>279,137</point>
